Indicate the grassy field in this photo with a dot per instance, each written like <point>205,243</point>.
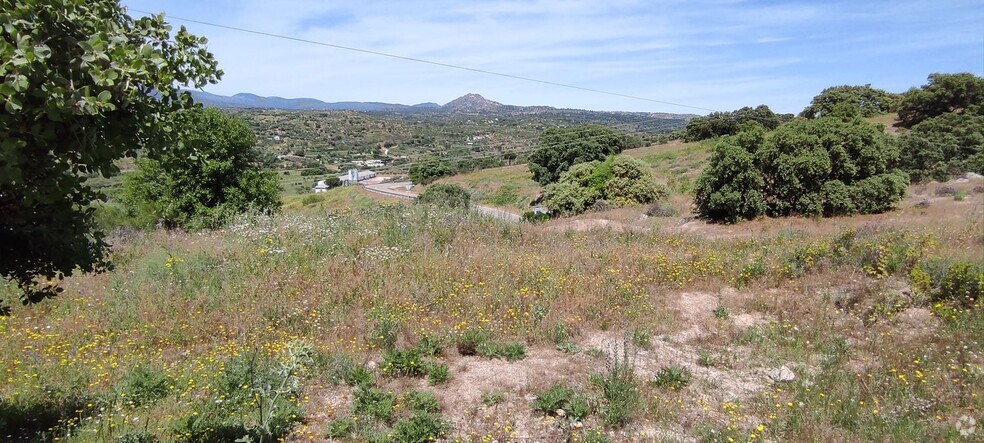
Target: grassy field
<point>510,187</point>
<point>402,323</point>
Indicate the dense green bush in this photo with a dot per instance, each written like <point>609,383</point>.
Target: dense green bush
<point>849,100</point>
<point>445,194</point>
<point>560,148</point>
<point>207,178</point>
<point>620,181</point>
<point>944,146</point>
<point>824,167</point>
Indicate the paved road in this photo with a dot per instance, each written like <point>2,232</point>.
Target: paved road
<point>399,189</point>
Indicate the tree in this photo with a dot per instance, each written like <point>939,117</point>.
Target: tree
<point>84,84</point>
<point>945,93</point>
<point>848,100</point>
<point>211,174</point>
<point>426,171</point>
<point>450,195</point>
<point>944,146</point>
<point>823,167</point>
<point>560,148</point>
<point>717,124</point>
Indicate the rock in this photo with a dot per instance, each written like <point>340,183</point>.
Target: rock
<point>782,374</point>
<point>560,413</point>
<point>960,180</point>
<point>371,365</point>
<point>924,203</point>
<point>973,176</point>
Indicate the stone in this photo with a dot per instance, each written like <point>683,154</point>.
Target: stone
<point>782,374</point>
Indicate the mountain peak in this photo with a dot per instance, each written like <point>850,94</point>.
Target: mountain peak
<point>472,103</point>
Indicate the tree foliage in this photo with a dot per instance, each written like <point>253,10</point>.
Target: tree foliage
<point>450,195</point>
<point>560,148</point>
<point>83,84</point>
<point>426,171</point>
<point>945,93</point>
<point>619,180</point>
<point>823,167</point>
<point>944,146</point>
<point>845,101</point>
<point>717,124</point>
<point>209,175</point>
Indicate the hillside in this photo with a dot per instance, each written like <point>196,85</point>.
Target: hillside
<point>759,329</point>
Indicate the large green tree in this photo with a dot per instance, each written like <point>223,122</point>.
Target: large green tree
<point>83,84</point>
<point>209,175</point>
<point>717,124</point>
<point>944,93</point>
<point>849,100</point>
<point>824,167</point>
<point>560,148</point>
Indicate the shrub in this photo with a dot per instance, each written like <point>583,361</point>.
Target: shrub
<point>851,100</point>
<point>662,209</point>
<point>962,283</point>
<point>535,217</point>
<point>717,124</point>
<point>510,351</point>
<point>944,190</point>
<point>628,182</point>
<point>449,195</point>
<point>492,398</point>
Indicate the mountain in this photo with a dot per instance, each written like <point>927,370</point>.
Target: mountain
<point>466,104</point>
<point>245,100</point>
<point>472,103</point>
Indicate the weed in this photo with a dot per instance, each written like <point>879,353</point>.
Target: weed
<point>340,428</point>
<point>470,340</point>
<point>563,401</point>
<point>721,313</point>
<point>437,373</point>
<point>406,363</point>
<point>143,386</point>
<point>509,351</point>
<point>374,403</point>
<point>420,428</point>
<point>492,398</point>
<point>568,348</point>
<point>591,436</point>
<point>421,401</point>
<point>673,377</point>
<point>431,346</point>
<point>706,359</point>
<point>618,385</point>
<point>642,338</point>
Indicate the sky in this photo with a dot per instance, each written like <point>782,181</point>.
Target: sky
<point>707,55</point>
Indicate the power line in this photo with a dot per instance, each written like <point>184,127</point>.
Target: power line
<point>431,62</point>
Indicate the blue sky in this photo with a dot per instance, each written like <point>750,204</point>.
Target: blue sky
<point>720,54</point>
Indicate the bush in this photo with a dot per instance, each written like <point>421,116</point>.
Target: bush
<point>469,341</point>
<point>662,209</point>
<point>445,194</point>
<point>437,373</point>
<point>417,401</point>
<point>426,171</point>
<point>962,283</point>
<point>851,100</point>
<point>627,182</point>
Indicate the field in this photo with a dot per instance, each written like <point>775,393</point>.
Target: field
<point>386,322</point>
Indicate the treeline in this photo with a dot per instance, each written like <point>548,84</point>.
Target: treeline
<point>717,124</point>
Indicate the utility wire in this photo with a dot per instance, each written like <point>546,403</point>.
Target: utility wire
<point>430,62</point>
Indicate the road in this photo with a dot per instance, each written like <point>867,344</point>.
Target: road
<point>399,189</point>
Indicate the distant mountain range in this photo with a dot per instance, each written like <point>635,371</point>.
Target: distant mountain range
<point>467,104</point>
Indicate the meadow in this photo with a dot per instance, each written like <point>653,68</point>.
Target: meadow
<point>393,322</point>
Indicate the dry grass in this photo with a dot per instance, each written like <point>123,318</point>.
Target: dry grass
<point>836,301</point>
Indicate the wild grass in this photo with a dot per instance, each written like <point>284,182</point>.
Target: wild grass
<point>157,347</point>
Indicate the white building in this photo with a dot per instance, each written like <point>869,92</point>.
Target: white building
<point>320,187</point>
<point>354,176</point>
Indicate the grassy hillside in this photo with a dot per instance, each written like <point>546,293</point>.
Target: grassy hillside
<point>510,187</point>
<point>384,321</point>
<point>346,198</point>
